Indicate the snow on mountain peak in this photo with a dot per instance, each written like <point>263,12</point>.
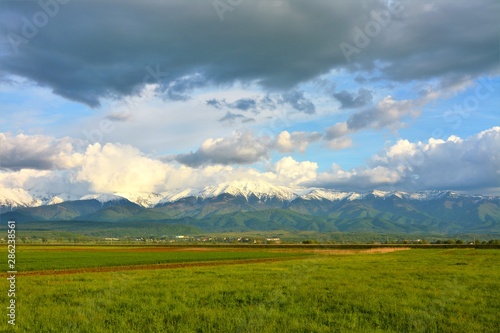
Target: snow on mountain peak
<point>12,198</point>
<point>62,197</point>
<point>380,194</point>
<point>320,194</point>
<point>17,197</point>
<point>144,199</point>
<point>102,197</point>
<point>248,188</point>
<point>172,196</point>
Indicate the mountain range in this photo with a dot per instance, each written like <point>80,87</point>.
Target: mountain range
<point>243,206</point>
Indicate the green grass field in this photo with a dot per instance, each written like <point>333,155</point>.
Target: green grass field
<point>32,258</point>
<point>431,290</point>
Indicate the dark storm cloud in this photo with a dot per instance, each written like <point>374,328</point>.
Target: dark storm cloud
<point>89,50</point>
<point>349,101</point>
<point>179,89</point>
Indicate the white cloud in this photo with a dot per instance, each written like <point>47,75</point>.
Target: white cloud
<point>291,172</point>
<point>37,152</point>
<point>240,148</point>
<point>246,148</point>
<point>470,164</point>
<point>20,179</point>
<point>121,168</point>
<point>288,143</point>
<point>466,164</point>
<point>389,113</point>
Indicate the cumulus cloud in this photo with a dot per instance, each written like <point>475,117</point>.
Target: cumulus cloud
<point>336,131</point>
<point>470,164</point>
<point>455,163</point>
<point>293,172</point>
<point>183,45</point>
<point>21,178</point>
<point>286,142</point>
<point>358,179</point>
<point>121,168</point>
<point>241,148</point>
<point>37,152</point>
<point>246,148</point>
<point>339,143</point>
<point>388,113</point>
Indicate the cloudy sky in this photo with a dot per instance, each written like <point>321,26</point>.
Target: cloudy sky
<point>127,96</point>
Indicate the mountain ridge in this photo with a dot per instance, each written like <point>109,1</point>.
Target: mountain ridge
<point>246,206</point>
<point>13,198</point>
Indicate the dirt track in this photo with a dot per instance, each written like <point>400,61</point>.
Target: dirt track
<point>203,263</point>
<point>155,266</point>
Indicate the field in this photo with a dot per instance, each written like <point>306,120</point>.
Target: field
<point>248,289</point>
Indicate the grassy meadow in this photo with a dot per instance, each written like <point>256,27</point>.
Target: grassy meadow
<point>32,258</point>
<point>302,290</point>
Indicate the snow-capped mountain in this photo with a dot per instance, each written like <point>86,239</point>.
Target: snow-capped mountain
<point>17,197</point>
<point>103,197</point>
<point>143,199</point>
<point>329,195</point>
<point>179,194</point>
<point>245,205</point>
<point>12,198</point>
<point>261,190</point>
<point>62,197</point>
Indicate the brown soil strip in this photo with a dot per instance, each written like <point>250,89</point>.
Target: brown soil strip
<point>374,250</point>
<point>154,266</point>
<point>206,263</point>
<point>351,251</point>
<point>138,249</point>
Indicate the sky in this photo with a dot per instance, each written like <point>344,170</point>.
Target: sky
<point>116,96</point>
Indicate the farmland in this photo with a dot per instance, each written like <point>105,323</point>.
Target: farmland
<point>250,289</point>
